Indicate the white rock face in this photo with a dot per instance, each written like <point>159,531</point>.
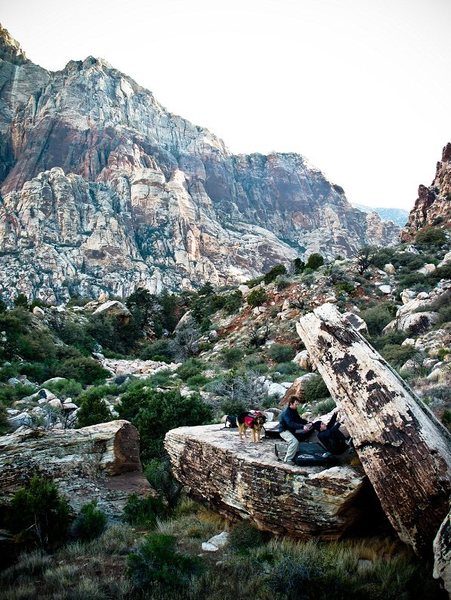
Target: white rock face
<point>146,198</point>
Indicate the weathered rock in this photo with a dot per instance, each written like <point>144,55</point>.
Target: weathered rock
<point>100,462</point>
<point>404,450</point>
<point>302,359</point>
<point>245,480</point>
<point>432,207</point>
<point>442,553</point>
<point>356,321</point>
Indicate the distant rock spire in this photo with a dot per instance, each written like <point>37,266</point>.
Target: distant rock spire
<point>10,49</point>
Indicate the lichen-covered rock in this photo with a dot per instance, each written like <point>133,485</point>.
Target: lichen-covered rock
<point>243,479</point>
<point>442,553</point>
<point>100,462</point>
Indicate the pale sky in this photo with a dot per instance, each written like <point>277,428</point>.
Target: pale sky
<point>361,88</point>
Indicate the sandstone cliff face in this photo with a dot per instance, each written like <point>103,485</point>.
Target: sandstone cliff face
<point>141,196</point>
<point>433,205</point>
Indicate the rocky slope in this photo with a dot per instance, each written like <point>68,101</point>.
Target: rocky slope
<point>433,205</point>
<point>105,189</point>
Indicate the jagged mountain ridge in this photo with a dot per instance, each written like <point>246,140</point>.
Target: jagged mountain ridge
<point>433,205</point>
<point>104,189</point>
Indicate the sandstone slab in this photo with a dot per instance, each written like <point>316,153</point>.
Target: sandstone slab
<point>245,480</point>
<point>100,462</point>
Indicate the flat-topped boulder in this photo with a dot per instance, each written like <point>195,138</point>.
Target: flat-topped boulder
<point>245,480</point>
<point>100,462</point>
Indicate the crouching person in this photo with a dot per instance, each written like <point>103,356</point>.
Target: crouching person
<point>293,428</point>
<point>330,436</point>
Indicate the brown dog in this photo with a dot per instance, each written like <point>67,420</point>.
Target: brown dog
<point>253,421</point>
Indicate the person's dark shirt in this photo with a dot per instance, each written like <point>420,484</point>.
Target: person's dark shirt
<point>291,421</point>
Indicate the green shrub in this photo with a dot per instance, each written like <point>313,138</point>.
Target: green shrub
<point>378,317</point>
<point>444,315</point>
<point>11,393</point>
<point>155,413</point>
<point>39,513</point>
<point>144,511</point>
<point>84,370</point>
<point>196,381</point>
<point>315,389</point>
<point>314,261</point>
<point>397,355</point>
<point>446,419</point>
<point>93,411</point>
<point>89,523</point>
<point>281,352</point>
<point>432,236</point>
<point>257,297</point>
<point>233,302</point>
<point>244,536</point>
<point>66,388</point>
<point>298,266</point>
<point>3,420</point>
<point>395,338</point>
<point>288,368</point>
<point>159,475</point>
<point>282,283</point>
<point>344,286</point>
<point>75,334</point>
<point>159,350</point>
<point>274,273</point>
<point>157,561</point>
<point>190,367</point>
<point>230,357</point>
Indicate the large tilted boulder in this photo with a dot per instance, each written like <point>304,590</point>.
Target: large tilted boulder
<point>404,450</point>
<point>100,462</point>
<point>442,553</point>
<point>245,480</point>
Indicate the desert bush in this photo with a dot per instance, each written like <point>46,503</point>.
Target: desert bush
<point>157,561</point>
<point>274,273</point>
<point>11,393</point>
<point>84,370</point>
<point>444,315</point>
<point>233,302</point>
<point>155,413</point>
<point>159,475</point>
<point>281,352</point>
<point>75,334</point>
<point>93,411</point>
<point>315,389</point>
<point>314,261</point>
<point>257,297</point>
<point>288,368</point>
<point>432,236</point>
<point>190,367</point>
<point>395,338</point>
<point>90,523</point>
<point>378,317</point>
<point>196,381</point>
<point>244,536</point>
<point>230,357</point>
<point>66,388</point>
<point>282,283</point>
<point>397,355</point>
<point>159,350</point>
<point>236,392</point>
<point>38,513</point>
<point>446,419</point>
<point>325,406</point>
<point>3,420</point>
<point>144,511</point>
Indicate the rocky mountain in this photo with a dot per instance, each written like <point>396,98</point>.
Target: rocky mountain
<point>399,216</point>
<point>104,189</point>
<point>433,205</point>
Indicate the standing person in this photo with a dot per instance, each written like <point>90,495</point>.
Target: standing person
<point>293,428</point>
